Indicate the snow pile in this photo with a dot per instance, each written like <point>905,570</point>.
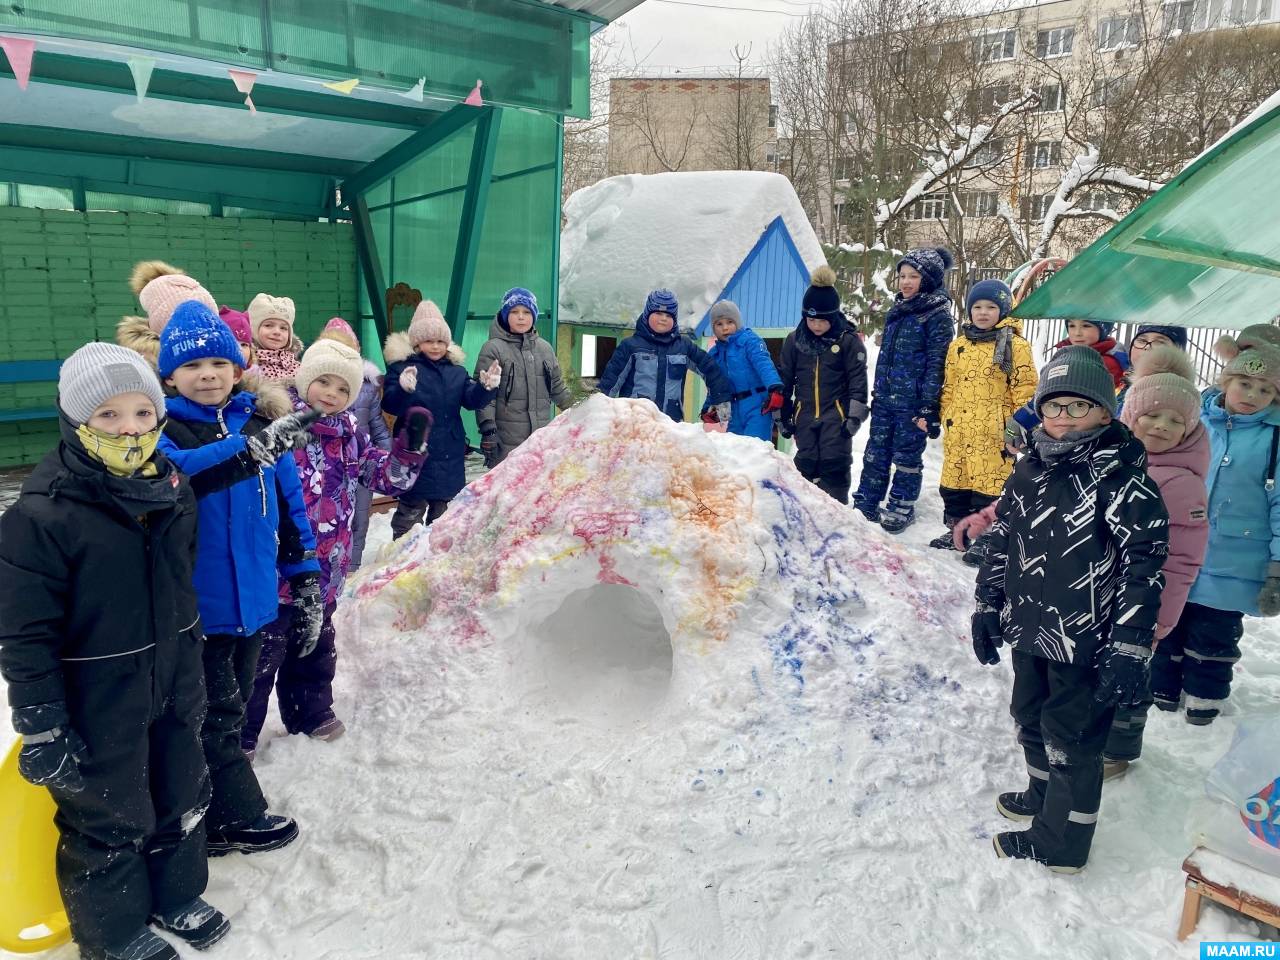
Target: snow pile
<point>626,235</point>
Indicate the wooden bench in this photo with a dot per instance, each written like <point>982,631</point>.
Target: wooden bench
<point>29,371</point>
<point>1200,886</point>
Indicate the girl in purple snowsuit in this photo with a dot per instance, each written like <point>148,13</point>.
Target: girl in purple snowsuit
<point>338,459</point>
<point>368,411</point>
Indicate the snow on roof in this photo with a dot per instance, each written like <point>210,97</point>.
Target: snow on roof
<point>690,232</point>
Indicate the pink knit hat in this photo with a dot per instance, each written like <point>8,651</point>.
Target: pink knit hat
<point>266,307</point>
<point>1163,380</point>
<point>428,324</point>
<point>339,330</point>
<point>161,287</point>
<point>239,324</point>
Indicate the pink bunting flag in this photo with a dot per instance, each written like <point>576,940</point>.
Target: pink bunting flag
<point>473,98</point>
<point>20,52</point>
<point>244,80</point>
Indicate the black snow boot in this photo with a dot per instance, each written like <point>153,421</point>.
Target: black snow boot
<point>944,542</point>
<point>196,922</point>
<point>269,832</point>
<point>1018,805</point>
<point>976,555</point>
<point>1018,846</point>
<point>144,946</point>
<point>897,516</point>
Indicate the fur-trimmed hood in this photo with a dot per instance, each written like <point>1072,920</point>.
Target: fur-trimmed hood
<point>137,335</point>
<point>397,348</point>
<point>274,401</point>
<point>372,374</point>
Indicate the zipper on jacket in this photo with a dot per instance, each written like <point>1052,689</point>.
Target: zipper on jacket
<point>817,400</point>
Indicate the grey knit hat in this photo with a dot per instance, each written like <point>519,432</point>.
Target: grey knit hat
<point>99,371</point>
<point>726,308</point>
<point>1080,372</point>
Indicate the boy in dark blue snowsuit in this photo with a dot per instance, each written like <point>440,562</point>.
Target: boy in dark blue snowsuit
<point>907,389</point>
<point>652,364</point>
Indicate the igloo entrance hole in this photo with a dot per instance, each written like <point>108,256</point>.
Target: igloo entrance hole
<point>604,654</point>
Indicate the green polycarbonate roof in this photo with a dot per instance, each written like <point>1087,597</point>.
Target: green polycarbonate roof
<point>1204,251</point>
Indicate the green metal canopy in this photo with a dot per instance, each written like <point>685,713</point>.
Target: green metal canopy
<point>1203,251</point>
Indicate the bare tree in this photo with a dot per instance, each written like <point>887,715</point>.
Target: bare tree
<point>739,128</point>
<point>586,142</point>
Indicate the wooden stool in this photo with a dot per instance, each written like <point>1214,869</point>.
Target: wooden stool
<point>382,504</point>
<point>1199,886</point>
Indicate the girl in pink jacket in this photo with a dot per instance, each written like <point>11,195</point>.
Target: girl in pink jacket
<point>1163,411</point>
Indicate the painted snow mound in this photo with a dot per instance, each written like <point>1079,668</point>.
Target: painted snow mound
<point>626,235</point>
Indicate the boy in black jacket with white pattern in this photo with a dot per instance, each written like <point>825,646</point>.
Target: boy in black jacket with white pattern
<point>1072,582</point>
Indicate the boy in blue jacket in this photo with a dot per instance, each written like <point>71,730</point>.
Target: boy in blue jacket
<point>907,393</point>
<point>248,496</point>
<point>742,357</point>
<point>1241,570</point>
<point>652,364</point>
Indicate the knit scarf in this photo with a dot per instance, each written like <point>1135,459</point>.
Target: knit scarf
<point>280,366</point>
<point>1003,338</point>
<point>1052,451</point>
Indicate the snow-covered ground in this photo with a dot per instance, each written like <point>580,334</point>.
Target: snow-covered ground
<point>776,744</point>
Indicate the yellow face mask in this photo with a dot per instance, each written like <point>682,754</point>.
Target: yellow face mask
<point>123,456</point>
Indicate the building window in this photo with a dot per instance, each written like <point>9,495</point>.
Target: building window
<point>987,154</point>
<point>1096,200</point>
<point>1178,16</point>
<point>980,203</point>
<point>773,115</point>
<point>987,100</point>
<point>996,45</point>
<point>1109,92</point>
<point>1036,206</point>
<point>1119,32</point>
<point>1055,43</point>
<point>1051,98</point>
<point>1236,12</point>
<point>1046,154</point>
<point>932,207</point>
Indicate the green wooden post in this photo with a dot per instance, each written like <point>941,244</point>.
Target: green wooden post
<point>471,225</point>
<point>555,248</point>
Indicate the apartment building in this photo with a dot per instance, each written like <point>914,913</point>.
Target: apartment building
<point>1082,57</point>
<point>682,123</point>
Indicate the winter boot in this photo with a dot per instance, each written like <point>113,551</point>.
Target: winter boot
<point>1017,805</point>
<point>196,922</point>
<point>869,510</point>
<point>897,516</point>
<point>1202,712</point>
<point>328,731</point>
<point>1017,846</point>
<point>978,550</point>
<point>144,946</point>
<point>944,542</point>
<point>1168,706</point>
<point>1114,769</point>
<point>269,832</point>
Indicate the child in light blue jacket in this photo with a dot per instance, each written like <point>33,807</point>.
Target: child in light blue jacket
<point>1241,571</point>
<point>742,357</point>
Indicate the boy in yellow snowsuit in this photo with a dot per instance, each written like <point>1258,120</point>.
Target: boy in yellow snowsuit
<point>989,374</point>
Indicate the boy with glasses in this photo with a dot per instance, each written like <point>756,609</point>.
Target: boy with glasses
<point>1072,582</point>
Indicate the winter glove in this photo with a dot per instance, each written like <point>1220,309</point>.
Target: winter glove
<point>988,635</point>
<point>280,437</point>
<point>51,751</point>
<point>417,427</point>
<point>1269,595</point>
<point>709,416</point>
<point>1122,672</point>
<point>852,425</point>
<point>927,420</point>
<point>489,447</point>
<point>491,378</point>
<point>1015,435</point>
<point>409,379</point>
<point>773,402</point>
<point>308,611</point>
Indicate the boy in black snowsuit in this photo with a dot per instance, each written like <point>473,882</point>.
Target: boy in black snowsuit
<point>1072,582</point>
<point>824,388</point>
<point>100,644</point>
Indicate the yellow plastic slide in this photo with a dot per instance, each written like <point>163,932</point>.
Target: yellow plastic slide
<point>31,914</point>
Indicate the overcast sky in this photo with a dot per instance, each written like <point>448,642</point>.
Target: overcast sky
<point>693,38</point>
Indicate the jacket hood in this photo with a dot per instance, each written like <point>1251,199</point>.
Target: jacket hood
<point>371,373</point>
<point>1212,410</point>
<point>398,348</point>
<point>134,333</point>
<point>839,324</point>
<point>1115,442</point>
<point>273,398</point>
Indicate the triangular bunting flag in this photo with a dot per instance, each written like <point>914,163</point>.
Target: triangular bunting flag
<point>20,52</point>
<point>415,92</point>
<point>344,86</point>
<point>473,98</point>
<point>141,68</point>
<point>244,80</point>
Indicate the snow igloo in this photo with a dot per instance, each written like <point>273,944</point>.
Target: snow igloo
<point>637,694</point>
